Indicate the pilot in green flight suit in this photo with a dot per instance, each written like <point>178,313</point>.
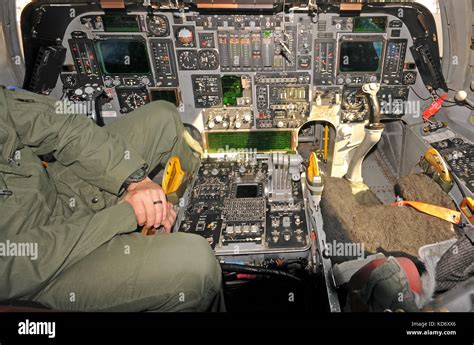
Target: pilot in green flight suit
<point>82,212</point>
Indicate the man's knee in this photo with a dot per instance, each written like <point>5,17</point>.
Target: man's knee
<point>192,274</point>
<point>159,113</point>
<point>207,268</point>
<point>162,117</point>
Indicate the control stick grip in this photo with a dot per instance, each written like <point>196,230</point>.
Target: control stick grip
<point>370,91</point>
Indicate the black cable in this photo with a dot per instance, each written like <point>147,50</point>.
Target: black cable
<point>453,103</point>
<point>458,104</point>
<point>257,270</point>
<point>446,100</point>
<point>417,95</point>
<point>301,262</point>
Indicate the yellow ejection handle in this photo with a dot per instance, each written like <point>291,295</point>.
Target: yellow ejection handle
<point>433,157</point>
<point>172,179</point>
<point>313,168</point>
<point>173,176</point>
<point>326,142</point>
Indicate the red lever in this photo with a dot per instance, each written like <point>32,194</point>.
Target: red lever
<point>434,107</point>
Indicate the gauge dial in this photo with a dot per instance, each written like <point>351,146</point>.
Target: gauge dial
<point>187,60</point>
<point>69,80</point>
<point>135,100</point>
<point>185,36</point>
<point>208,59</point>
<point>409,78</point>
<point>158,25</point>
<point>353,101</point>
<point>458,141</point>
<point>206,40</point>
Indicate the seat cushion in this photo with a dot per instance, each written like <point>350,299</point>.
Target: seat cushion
<point>386,228</point>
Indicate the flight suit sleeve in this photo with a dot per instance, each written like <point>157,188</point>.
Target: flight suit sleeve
<point>94,154</point>
<point>58,247</point>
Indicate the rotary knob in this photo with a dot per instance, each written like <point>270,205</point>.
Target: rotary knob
<point>237,124</point>
<point>299,238</point>
<point>247,117</point>
<point>145,81</point>
<point>108,81</point>
<point>89,90</point>
<point>211,124</point>
<point>218,118</point>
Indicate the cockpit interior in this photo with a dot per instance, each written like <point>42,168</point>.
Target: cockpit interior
<point>335,137</point>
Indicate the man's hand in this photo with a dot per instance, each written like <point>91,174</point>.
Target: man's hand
<point>169,221</point>
<point>149,204</point>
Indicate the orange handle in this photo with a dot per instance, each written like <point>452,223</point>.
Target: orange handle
<point>435,211</point>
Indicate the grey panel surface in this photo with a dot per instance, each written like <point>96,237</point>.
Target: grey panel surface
<point>378,177</point>
<point>391,145</point>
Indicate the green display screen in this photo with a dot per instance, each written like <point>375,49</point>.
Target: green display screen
<point>120,23</point>
<point>370,24</point>
<point>259,141</point>
<point>165,95</point>
<point>359,56</point>
<point>231,89</point>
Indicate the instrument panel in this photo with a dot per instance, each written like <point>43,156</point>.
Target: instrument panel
<point>250,205</point>
<point>459,154</point>
<point>237,71</point>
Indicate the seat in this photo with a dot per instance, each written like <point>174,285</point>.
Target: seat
<point>362,218</point>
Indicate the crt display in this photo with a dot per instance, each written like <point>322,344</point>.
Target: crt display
<point>370,24</point>
<point>247,191</point>
<point>360,56</point>
<point>123,56</point>
<point>170,95</point>
<point>262,141</point>
<point>231,89</point>
<point>119,23</point>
